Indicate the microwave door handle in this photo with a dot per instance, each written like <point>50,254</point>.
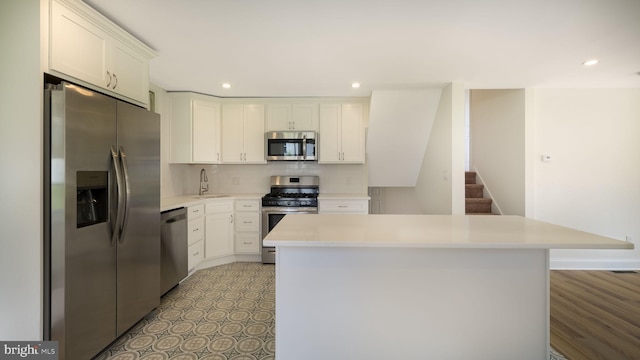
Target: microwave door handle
<point>304,147</point>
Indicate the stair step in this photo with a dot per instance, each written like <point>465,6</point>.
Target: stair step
<point>473,190</point>
<point>470,177</point>
<point>477,205</point>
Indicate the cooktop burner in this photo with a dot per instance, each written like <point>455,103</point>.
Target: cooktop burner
<point>293,191</point>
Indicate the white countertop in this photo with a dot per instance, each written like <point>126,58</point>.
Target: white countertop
<point>331,196</point>
<point>432,231</point>
<point>191,200</point>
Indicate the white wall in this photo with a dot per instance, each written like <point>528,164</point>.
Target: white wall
<point>21,179</point>
<point>440,185</point>
<point>497,136</point>
<point>592,182</point>
<point>400,122</point>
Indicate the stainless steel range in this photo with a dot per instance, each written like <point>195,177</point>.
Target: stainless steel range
<point>289,195</point>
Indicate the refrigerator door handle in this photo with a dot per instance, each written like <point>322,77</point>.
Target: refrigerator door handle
<point>127,194</point>
<point>115,225</point>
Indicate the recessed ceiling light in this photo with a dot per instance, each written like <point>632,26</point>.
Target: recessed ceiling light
<point>590,62</point>
<point>226,86</point>
<point>355,85</point>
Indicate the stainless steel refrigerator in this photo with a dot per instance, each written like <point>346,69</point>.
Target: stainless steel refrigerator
<point>102,220</point>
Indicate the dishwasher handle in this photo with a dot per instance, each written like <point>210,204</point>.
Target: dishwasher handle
<point>173,219</point>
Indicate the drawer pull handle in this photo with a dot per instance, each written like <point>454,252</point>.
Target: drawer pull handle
<point>198,253</point>
<point>196,210</point>
<point>247,222</point>
<point>343,206</point>
<point>196,229</point>
<point>247,243</point>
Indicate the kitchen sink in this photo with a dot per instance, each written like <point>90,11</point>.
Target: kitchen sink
<point>210,196</point>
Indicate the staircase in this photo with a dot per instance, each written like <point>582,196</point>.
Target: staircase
<point>475,203</point>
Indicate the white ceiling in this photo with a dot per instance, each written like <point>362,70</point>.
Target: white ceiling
<point>318,48</point>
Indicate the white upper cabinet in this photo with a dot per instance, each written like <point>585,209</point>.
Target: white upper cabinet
<point>342,134</point>
<point>243,134</point>
<point>195,129</point>
<point>206,131</point>
<point>94,52</point>
<point>283,117</point>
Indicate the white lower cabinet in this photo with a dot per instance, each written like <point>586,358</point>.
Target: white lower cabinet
<point>247,227</point>
<point>195,255</point>
<point>195,235</point>
<point>218,228</point>
<point>343,206</point>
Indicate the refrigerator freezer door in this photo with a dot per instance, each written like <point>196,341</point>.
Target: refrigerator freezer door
<point>139,245</point>
<point>83,257</point>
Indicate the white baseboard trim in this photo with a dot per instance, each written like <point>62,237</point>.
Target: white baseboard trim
<point>228,260</point>
<point>594,264</point>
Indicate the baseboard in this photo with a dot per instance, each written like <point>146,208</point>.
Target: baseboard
<point>594,264</point>
<point>228,260</point>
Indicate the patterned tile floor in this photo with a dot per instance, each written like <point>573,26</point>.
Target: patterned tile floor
<point>222,313</point>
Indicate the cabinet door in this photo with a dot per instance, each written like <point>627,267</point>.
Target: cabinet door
<point>254,134</point>
<point>278,117</point>
<point>247,221</point>
<point>352,133</point>
<point>248,243</point>
<point>343,206</point>
<point>206,122</point>
<point>130,73</point>
<point>195,230</point>
<point>330,115</point>
<point>304,117</point>
<point>195,255</point>
<point>78,48</point>
<point>232,133</point>
<point>218,234</point>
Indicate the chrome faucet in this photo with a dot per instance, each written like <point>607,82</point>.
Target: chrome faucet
<point>204,186</point>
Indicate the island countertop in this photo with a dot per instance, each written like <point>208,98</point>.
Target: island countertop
<point>432,231</point>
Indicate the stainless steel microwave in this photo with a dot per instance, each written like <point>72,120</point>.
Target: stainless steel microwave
<point>291,146</point>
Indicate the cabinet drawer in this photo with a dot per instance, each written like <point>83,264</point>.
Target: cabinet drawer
<point>343,206</point>
<point>247,221</point>
<point>195,255</point>
<point>195,211</point>
<point>248,205</point>
<point>218,206</point>
<point>248,243</point>
<point>195,230</point>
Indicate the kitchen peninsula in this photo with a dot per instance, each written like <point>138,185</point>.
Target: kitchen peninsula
<point>416,286</point>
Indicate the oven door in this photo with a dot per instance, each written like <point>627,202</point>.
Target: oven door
<point>271,216</point>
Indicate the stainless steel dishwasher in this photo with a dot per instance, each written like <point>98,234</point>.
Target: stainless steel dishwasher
<point>173,259</point>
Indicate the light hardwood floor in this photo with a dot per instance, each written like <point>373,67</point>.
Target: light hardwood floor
<point>595,314</point>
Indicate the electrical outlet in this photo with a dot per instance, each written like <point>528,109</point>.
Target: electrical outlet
<point>628,239</point>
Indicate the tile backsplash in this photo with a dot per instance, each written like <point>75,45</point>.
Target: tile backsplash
<point>234,179</point>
